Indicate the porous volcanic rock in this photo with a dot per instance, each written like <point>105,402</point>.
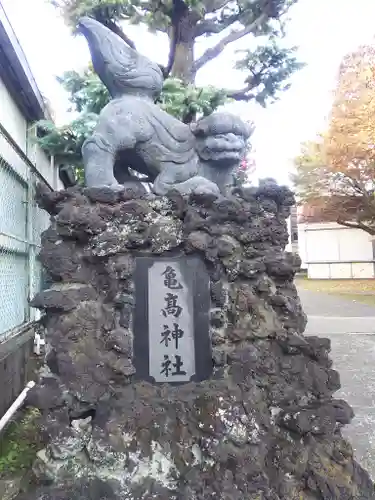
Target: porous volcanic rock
<point>266,426</point>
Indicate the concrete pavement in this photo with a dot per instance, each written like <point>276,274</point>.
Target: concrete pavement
<point>351,327</point>
<point>322,304</point>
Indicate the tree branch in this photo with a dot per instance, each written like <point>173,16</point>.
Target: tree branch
<point>212,26</point>
<point>233,36</point>
<point>207,26</point>
<point>342,222</point>
<point>367,197</point>
<point>214,5</point>
<point>355,225</point>
<point>243,94</point>
<point>116,29</point>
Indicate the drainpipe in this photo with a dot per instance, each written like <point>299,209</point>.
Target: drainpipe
<point>15,406</point>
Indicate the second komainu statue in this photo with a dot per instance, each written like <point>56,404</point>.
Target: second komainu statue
<point>135,133</point>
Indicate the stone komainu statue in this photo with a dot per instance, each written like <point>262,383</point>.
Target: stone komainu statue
<point>133,132</point>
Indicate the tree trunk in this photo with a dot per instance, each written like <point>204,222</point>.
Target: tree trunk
<point>181,42</point>
<point>183,62</point>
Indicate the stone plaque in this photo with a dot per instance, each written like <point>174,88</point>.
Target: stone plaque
<point>171,320</point>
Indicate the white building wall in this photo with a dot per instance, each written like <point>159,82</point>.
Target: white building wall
<point>291,222</point>
<point>12,119</point>
<point>21,221</point>
<point>331,251</point>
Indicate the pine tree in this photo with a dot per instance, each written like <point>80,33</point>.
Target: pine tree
<point>186,21</point>
<point>267,68</point>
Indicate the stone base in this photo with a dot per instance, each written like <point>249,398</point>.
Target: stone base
<point>264,427</point>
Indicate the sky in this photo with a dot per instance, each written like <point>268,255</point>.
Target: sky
<point>323,30</point>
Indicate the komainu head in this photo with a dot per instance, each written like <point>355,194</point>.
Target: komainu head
<point>221,139</point>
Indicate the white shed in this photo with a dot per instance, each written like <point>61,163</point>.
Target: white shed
<point>331,251</point>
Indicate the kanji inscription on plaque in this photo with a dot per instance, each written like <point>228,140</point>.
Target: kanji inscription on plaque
<point>171,320</point>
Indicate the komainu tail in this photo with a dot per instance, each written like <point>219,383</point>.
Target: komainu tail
<point>122,69</point>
